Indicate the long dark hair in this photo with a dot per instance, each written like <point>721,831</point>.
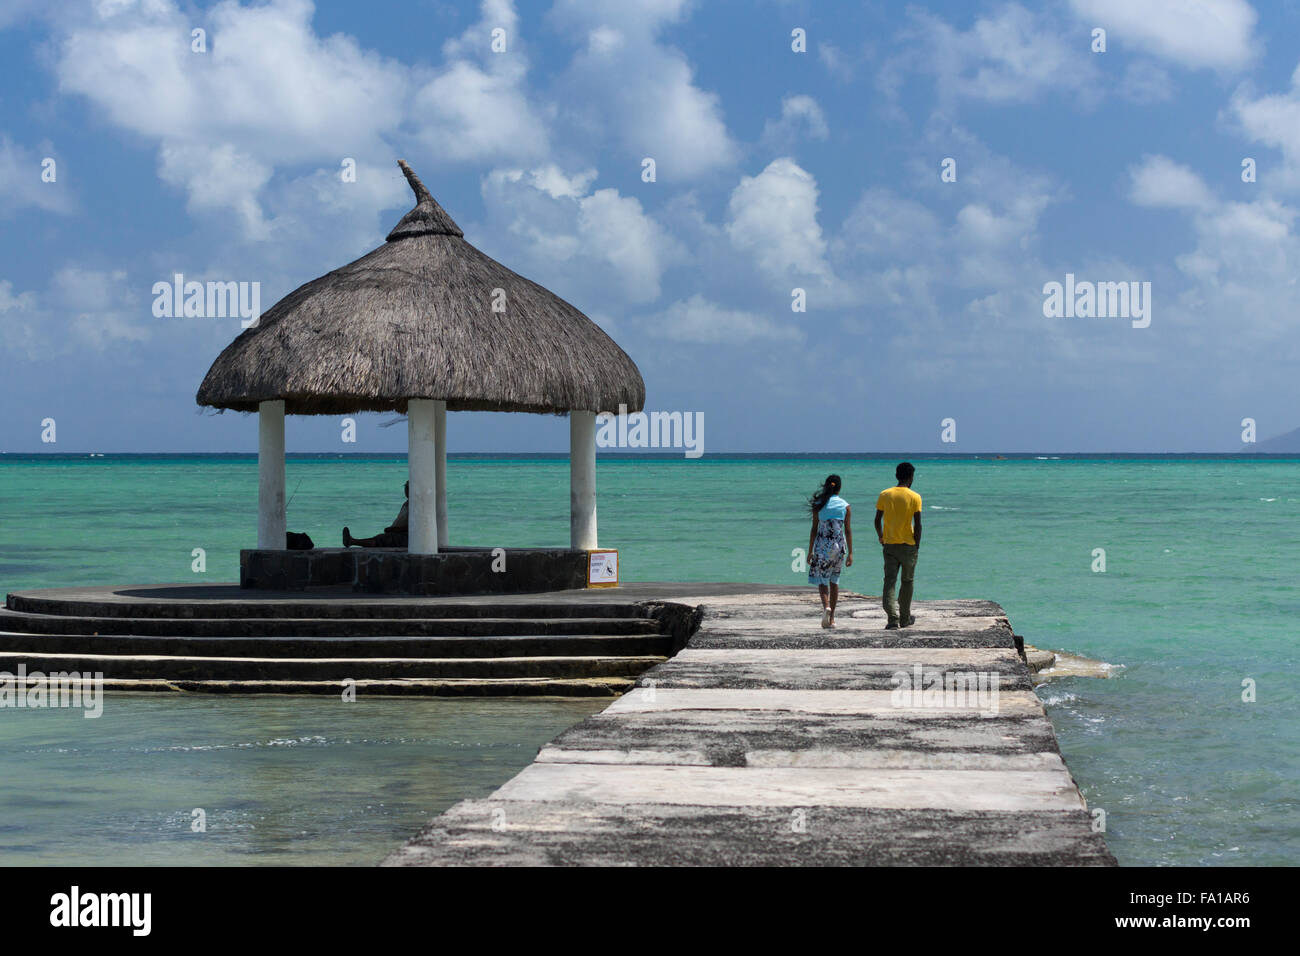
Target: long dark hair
<point>831,486</point>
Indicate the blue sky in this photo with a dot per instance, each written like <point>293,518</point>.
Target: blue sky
<point>775,170</point>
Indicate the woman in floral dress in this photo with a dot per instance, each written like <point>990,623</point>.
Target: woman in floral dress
<point>830,544</point>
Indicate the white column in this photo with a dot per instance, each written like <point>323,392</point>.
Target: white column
<point>582,479</point>
<point>421,459</point>
<point>270,475</point>
<point>440,469</point>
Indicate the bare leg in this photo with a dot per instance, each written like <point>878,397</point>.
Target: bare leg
<point>826,608</point>
<point>351,542</point>
<point>835,596</point>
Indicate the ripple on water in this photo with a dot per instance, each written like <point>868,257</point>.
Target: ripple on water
<point>279,780</point>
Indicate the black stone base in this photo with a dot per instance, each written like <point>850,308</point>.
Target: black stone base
<point>395,571</point>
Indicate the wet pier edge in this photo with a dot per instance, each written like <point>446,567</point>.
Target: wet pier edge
<point>768,740</point>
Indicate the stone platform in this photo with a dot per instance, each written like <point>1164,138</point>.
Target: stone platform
<point>220,638</point>
<point>771,741</point>
<point>453,570</point>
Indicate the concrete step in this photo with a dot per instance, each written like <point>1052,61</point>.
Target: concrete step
<point>324,604</point>
<point>35,623</point>
<point>405,687</point>
<point>175,668</point>
<point>621,834</point>
<point>532,645</point>
<point>846,668</point>
<point>1039,660</point>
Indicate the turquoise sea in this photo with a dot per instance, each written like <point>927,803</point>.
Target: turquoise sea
<point>1198,596</point>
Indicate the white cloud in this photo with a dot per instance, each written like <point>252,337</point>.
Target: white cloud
<point>641,90</point>
<point>980,225</point>
<point>605,41</point>
<point>1010,55</point>
<point>1161,182</point>
<point>18,320</point>
<point>23,302</point>
<point>836,61</point>
<point>477,107</point>
<point>477,40</point>
<point>1145,83</point>
<point>773,216</point>
<point>81,308</point>
<point>268,93</point>
<point>1001,204</point>
<point>268,85</point>
<point>21,184</point>
<point>1218,34</point>
<point>552,180</point>
<point>698,320</point>
<point>1238,289</point>
<point>892,252</point>
<point>1241,290</point>
<point>102,307</point>
<point>1274,120</point>
<point>218,178</point>
<point>271,93</point>
<point>912,266</point>
<point>801,118</point>
<point>471,114</point>
<point>618,230</point>
<point>560,226</point>
<point>882,223</point>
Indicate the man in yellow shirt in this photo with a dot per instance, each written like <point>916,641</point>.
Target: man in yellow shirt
<point>898,526</point>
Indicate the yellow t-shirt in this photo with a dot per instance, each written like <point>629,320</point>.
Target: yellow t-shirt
<point>898,504</point>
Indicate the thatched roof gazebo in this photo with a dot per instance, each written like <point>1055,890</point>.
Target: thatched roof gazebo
<point>423,324</point>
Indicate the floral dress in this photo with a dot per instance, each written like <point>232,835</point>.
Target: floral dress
<point>829,547</point>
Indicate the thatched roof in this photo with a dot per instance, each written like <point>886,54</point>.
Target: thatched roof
<point>414,319</point>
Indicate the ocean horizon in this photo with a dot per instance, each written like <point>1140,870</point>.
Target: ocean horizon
<point>711,456</point>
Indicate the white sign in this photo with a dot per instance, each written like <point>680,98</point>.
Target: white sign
<point>602,568</point>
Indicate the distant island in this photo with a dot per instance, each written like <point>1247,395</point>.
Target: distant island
<point>1286,444</point>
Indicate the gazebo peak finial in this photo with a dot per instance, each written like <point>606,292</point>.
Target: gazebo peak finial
<point>422,194</point>
<point>427,218</point>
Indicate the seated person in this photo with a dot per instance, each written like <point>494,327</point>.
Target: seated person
<point>394,536</point>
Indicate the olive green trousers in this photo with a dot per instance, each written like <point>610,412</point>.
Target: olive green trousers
<point>899,557</point>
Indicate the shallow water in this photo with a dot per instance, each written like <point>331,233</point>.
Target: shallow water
<point>280,779</point>
<point>1199,594</point>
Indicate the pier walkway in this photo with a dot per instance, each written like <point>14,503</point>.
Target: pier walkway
<point>769,740</point>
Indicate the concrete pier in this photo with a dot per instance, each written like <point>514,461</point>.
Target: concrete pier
<point>769,740</point>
